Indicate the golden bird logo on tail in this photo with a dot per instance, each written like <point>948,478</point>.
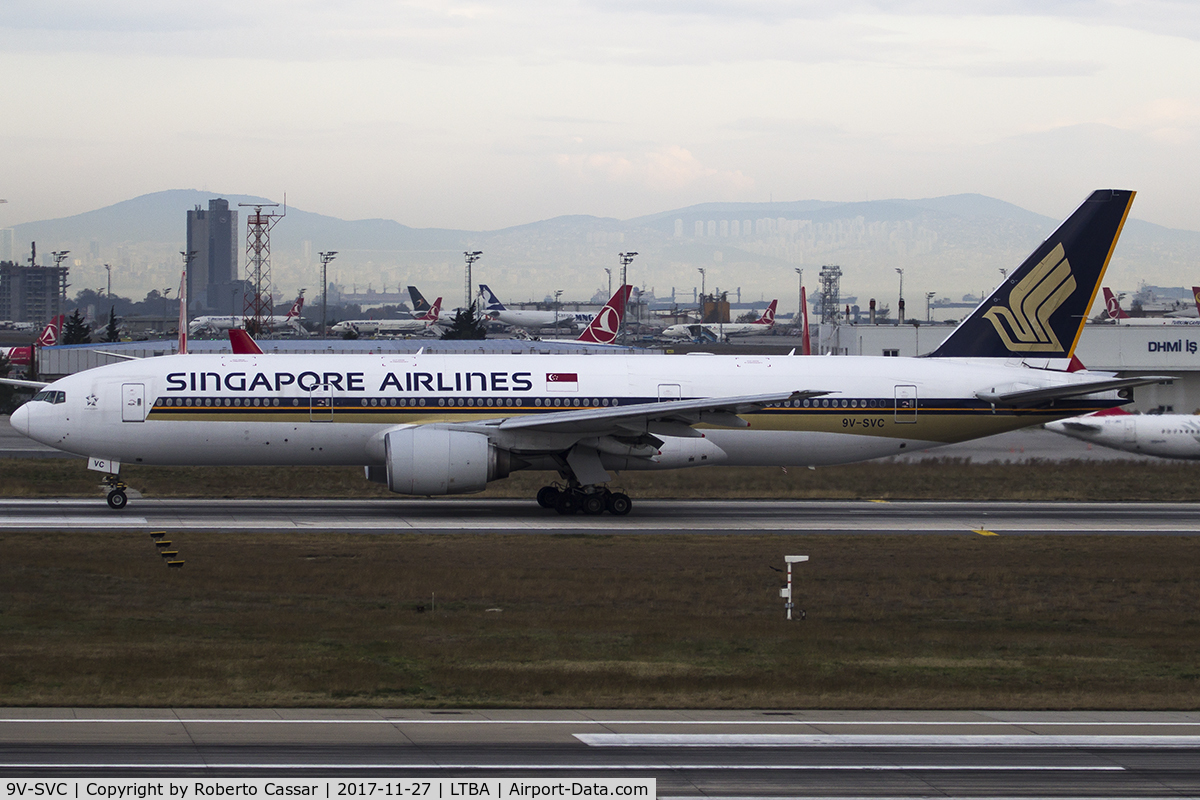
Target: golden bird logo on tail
<point>1024,325</point>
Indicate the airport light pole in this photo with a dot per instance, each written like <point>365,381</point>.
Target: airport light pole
<point>609,271</point>
<point>626,260</point>
<point>557,305</point>
<point>703,275</point>
<point>108,269</point>
<point>166,299</point>
<point>326,257</point>
<point>472,256</point>
<point>929,306</point>
<point>900,308</point>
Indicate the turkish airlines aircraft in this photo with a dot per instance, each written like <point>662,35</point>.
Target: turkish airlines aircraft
<point>725,329</point>
<point>216,324</point>
<point>529,319</point>
<point>23,356</point>
<point>434,424</point>
<point>1166,435</point>
<point>1112,307</point>
<point>392,327</point>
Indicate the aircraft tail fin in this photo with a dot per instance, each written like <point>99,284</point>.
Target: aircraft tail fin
<point>419,303</point>
<point>806,342</point>
<point>493,303</point>
<point>607,324</point>
<point>1196,296</point>
<point>49,335</point>
<point>434,311</point>
<point>297,308</point>
<point>1040,309</point>
<point>242,343</point>
<point>768,316</point>
<point>1112,305</point>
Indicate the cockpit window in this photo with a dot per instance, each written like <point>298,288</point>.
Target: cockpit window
<point>47,396</point>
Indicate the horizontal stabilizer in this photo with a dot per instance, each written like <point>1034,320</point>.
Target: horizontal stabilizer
<point>1033,397</point>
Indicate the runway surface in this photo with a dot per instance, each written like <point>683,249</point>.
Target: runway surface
<point>724,517</point>
<point>689,753</point>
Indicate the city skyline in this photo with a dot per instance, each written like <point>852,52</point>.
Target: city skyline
<point>478,116</point>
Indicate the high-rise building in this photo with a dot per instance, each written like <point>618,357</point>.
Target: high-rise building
<point>29,293</point>
<point>212,280</point>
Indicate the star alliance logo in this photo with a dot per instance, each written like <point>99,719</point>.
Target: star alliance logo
<point>92,400</point>
<point>1024,325</point>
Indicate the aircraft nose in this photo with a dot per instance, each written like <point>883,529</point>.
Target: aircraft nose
<point>20,419</point>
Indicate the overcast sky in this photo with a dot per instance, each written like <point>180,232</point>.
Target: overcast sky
<point>481,115</point>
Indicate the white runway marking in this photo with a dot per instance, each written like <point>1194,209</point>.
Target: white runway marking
<point>1022,722</point>
<point>869,740</point>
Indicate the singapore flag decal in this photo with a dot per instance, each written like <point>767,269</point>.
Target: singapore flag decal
<point>562,381</point>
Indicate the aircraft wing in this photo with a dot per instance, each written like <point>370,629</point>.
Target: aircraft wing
<point>1033,397</point>
<point>25,384</point>
<point>720,411</point>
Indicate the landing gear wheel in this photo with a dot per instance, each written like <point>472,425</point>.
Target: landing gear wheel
<point>568,503</point>
<point>593,504</point>
<point>547,497</point>
<point>117,499</point>
<point>619,504</point>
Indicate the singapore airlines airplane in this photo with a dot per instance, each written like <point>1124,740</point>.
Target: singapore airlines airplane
<point>1166,435</point>
<point>434,424</point>
<point>724,329</point>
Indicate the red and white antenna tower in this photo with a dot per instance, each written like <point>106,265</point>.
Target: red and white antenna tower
<point>257,305</point>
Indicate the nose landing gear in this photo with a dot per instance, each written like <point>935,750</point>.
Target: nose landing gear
<point>116,492</point>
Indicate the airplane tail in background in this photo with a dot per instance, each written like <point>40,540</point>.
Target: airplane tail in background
<point>607,324</point>
<point>49,335</point>
<point>1039,310</point>
<point>297,307</point>
<point>1112,305</point>
<point>1196,296</point>
<point>419,303</point>
<point>434,312</point>
<point>242,344</point>
<point>806,346</point>
<point>768,316</point>
<point>493,303</point>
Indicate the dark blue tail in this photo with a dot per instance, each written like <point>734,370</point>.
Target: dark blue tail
<point>419,302</point>
<point>1040,308</point>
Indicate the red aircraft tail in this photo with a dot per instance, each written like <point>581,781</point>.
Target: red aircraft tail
<point>49,335</point>
<point>806,347</point>
<point>768,316</point>
<point>1196,296</point>
<point>607,324</point>
<point>434,311</point>
<point>297,307</point>
<point>1112,304</point>
<point>242,343</point>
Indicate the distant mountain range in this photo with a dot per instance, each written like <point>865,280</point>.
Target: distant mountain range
<point>947,245</point>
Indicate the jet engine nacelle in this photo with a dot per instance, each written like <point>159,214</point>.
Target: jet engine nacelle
<point>428,461</point>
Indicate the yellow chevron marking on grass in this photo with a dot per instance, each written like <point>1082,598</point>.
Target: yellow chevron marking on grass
<point>982,532</point>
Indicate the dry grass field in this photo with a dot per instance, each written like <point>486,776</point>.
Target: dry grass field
<point>623,622</point>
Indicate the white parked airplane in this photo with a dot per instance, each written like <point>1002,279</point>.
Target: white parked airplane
<point>430,424</point>
<point>215,324</point>
<point>723,330</point>
<point>391,327</point>
<point>496,310</point>
<point>1165,435</point>
<point>23,356</point>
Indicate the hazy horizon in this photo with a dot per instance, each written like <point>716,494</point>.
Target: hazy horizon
<point>477,116</point>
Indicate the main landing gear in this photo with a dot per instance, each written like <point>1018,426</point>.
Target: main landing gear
<point>116,492</point>
<point>590,500</point>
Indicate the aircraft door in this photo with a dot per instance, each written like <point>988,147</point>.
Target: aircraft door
<point>320,403</point>
<point>133,402</point>
<point>669,391</point>
<point>1129,431</point>
<point>906,404</point>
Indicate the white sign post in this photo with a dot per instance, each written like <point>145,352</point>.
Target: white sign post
<point>786,593</point>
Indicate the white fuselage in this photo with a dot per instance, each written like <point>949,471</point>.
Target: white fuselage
<point>521,318</point>
<point>1165,435</point>
<point>718,330</point>
<point>335,409</point>
<point>215,323</point>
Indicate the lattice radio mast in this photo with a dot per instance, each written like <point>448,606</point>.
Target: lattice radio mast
<point>831,278</point>
<point>257,306</point>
